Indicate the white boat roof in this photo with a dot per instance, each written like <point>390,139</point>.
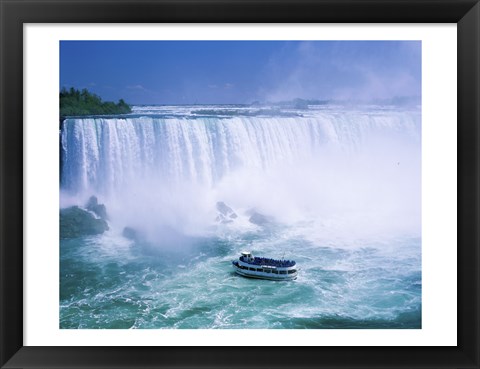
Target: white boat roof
<point>245,252</point>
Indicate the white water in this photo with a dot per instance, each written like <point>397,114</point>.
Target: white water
<point>349,170</point>
<point>343,187</point>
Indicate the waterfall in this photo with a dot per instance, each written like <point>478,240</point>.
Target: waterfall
<point>101,155</point>
<point>175,168</point>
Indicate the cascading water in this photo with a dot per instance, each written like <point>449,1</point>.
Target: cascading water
<point>341,185</point>
<point>102,155</point>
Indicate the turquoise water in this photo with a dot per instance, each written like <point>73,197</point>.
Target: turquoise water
<point>341,188</point>
<point>108,282</point>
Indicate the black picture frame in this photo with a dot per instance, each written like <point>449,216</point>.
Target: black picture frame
<point>15,13</point>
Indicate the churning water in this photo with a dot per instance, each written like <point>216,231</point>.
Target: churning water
<point>340,189</point>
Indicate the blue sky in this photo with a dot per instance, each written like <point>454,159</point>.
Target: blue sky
<point>222,72</point>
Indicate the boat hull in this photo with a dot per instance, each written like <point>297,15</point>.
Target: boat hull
<point>264,275</point>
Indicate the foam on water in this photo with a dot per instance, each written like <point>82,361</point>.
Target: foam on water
<point>340,187</point>
<point>155,290</point>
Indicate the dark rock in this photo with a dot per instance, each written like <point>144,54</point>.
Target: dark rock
<point>92,201</point>
<point>76,222</point>
<point>223,219</point>
<point>99,209</point>
<point>225,212</point>
<point>259,219</point>
<point>130,233</point>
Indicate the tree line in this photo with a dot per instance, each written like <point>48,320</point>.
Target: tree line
<point>75,102</point>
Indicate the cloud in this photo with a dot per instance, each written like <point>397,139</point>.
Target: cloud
<point>344,70</point>
<point>139,89</point>
<point>136,87</point>
<point>229,85</point>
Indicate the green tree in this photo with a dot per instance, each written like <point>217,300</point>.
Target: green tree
<point>74,102</point>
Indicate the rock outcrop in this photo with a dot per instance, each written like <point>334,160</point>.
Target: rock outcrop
<point>225,213</point>
<point>259,219</point>
<point>130,233</point>
<point>99,209</point>
<point>76,222</point>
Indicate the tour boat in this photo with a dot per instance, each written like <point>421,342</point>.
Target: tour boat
<point>265,268</point>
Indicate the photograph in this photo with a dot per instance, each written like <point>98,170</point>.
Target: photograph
<point>240,184</point>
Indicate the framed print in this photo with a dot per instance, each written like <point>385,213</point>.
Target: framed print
<point>281,184</point>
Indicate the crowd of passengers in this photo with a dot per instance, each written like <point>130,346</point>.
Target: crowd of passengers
<point>272,262</point>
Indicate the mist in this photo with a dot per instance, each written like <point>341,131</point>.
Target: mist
<point>360,71</point>
<point>348,174</point>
